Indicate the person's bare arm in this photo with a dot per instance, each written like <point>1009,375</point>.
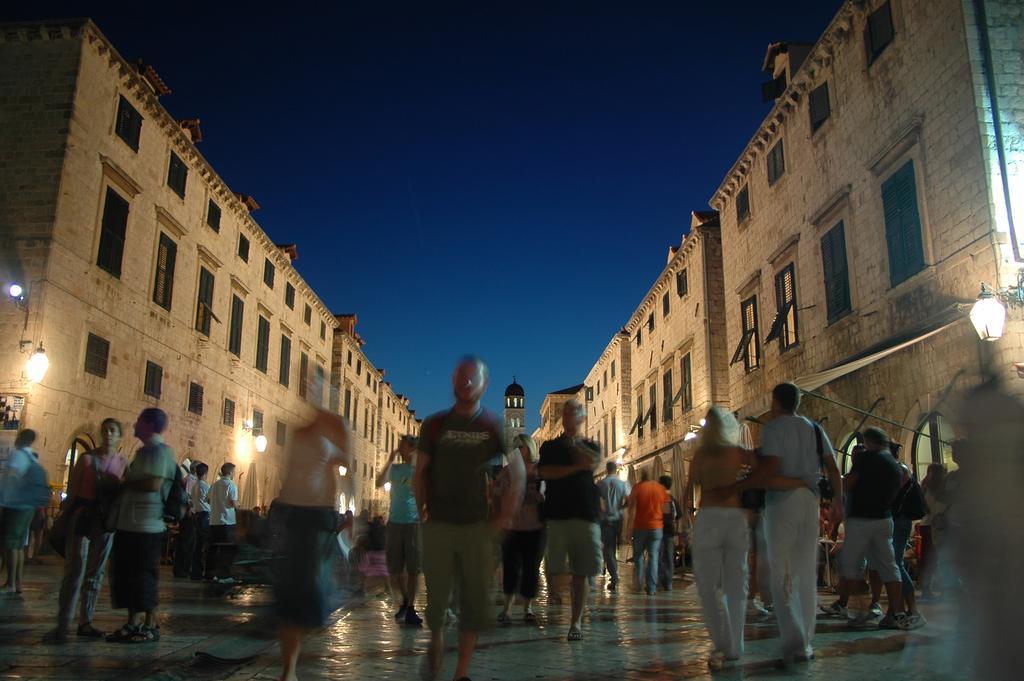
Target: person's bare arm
<point>836,509</point>
<point>420,485</point>
<point>512,494</point>
<point>383,477</point>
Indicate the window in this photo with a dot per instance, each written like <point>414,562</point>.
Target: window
<point>228,417</point>
<point>749,349</point>
<point>204,302</point>
<point>303,373</point>
<point>742,205</point>
<point>666,412</point>
<point>235,334</point>
<point>307,314</point>
<point>289,295</point>
<point>367,379</point>
<point>682,284</point>
<point>784,328</point>
<point>243,248</point>
<point>686,383</point>
<point>154,379</point>
<point>654,406</point>
<point>613,369</point>
<point>112,233</point>
<point>163,286</point>
<point>902,225</point>
<point>933,444</point>
<point>195,398</point>
<point>639,337</point>
<point>257,422</point>
<point>268,272</point>
<point>776,163</point>
<point>349,360</point>
<point>323,330</point>
<point>262,343</point>
<point>837,277</point>
<point>282,432</point>
<point>129,124</point>
<point>640,416</point>
<point>359,367</point>
<point>348,403</point>
<point>819,106</point>
<point>177,175</point>
<point>213,216</point>
<point>604,430</point>
<point>650,322</point>
<point>615,434</point>
<point>97,350</point>
<point>284,371</point>
<point>878,32</point>
<point>355,413</point>
<point>664,305</point>
<point>846,452</point>
<point>366,422</point>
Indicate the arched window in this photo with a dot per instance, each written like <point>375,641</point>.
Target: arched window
<point>79,446</point>
<point>932,444</point>
<point>846,452</point>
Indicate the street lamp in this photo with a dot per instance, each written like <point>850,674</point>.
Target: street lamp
<point>15,291</point>
<point>988,313</point>
<point>342,471</point>
<point>37,365</point>
<point>387,486</point>
<point>261,443</point>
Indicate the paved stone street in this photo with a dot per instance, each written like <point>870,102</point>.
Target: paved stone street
<point>628,637</point>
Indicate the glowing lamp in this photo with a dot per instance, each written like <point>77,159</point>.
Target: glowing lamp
<point>690,436</point>
<point>37,365</point>
<point>15,290</point>
<point>387,486</point>
<point>342,471</point>
<point>261,443</point>
<point>988,316</point>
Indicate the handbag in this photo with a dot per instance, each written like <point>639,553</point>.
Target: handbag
<point>824,484</point>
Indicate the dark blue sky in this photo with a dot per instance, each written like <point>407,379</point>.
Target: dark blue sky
<point>502,178</point>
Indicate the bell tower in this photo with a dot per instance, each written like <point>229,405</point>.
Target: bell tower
<point>515,413</point>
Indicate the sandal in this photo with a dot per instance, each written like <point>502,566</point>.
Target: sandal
<point>144,635</point>
<point>529,617</point>
<point>123,634</point>
<point>89,631</point>
<point>574,635</point>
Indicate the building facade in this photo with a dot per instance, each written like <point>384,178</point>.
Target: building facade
<point>863,216</point>
<point>551,413</point>
<point>147,282</point>
<point>610,404</point>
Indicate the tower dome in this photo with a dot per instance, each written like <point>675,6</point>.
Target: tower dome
<point>514,389</point>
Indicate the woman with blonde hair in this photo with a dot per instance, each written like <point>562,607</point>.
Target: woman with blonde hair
<point>721,534</point>
<point>523,546</point>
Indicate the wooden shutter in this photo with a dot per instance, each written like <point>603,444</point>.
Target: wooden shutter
<point>195,398</point>
<point>167,253</point>
<point>154,379</point>
<point>229,412</point>
<point>837,284</point>
<point>819,106</point>
<point>97,350</point>
<point>667,390</point>
<point>262,343</point>
<point>286,357</point>
<point>687,383</point>
<point>112,233</point>
<point>303,373</point>
<point>213,216</point>
<point>235,336</point>
<point>204,305</point>
<point>902,225</point>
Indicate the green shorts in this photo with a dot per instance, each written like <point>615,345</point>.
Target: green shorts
<point>403,548</point>
<point>459,557</point>
<point>16,522</point>
<point>574,547</point>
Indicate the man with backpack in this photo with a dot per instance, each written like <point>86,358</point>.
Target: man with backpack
<point>149,490</point>
<point>452,495</point>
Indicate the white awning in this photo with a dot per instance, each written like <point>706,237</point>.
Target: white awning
<point>814,381</point>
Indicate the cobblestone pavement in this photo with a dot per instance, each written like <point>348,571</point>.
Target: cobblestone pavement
<point>628,636</point>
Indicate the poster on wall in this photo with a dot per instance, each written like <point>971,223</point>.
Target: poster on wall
<point>11,407</point>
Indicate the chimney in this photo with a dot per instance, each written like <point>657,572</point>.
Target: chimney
<point>249,202</point>
<point>291,250</point>
<point>191,126</point>
<point>152,79</point>
<point>347,323</point>
<point>781,63</point>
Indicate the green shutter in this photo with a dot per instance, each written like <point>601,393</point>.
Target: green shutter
<point>902,225</point>
<point>837,282</point>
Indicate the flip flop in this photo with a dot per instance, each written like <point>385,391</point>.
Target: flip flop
<point>574,635</point>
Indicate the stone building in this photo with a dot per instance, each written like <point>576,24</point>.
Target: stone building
<point>147,282</point>
<point>866,211</point>
<point>610,407</point>
<point>551,413</point>
<point>377,416</point>
<point>514,412</point>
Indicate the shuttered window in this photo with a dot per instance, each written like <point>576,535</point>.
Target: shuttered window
<point>307,315</point>
<point>213,216</point>
<point>163,286</point>
<point>686,379</point>
<point>653,390</point>
<point>154,379</point>
<point>243,248</point>
<point>257,422</point>
<point>235,334</point>
<point>749,349</point>
<point>177,175</point>
<point>195,398</point>
<point>650,322</point>
<point>878,32</point>
<point>666,379</point>
<point>776,163</point>
<point>262,343</point>
<point>204,302</point>
<point>682,283</point>
<point>289,295</point>
<point>282,431</point>
<point>129,124</point>
<point>784,327</point>
<point>819,106</point>
<point>303,373</point>
<point>742,205</point>
<point>902,225</point>
<point>640,416</point>
<point>228,418</point>
<point>284,372</point>
<point>112,233</point>
<point>97,351</point>
<point>665,306</point>
<point>268,272</point>
<point>837,277</point>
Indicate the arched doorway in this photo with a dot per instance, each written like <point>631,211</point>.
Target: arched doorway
<point>932,444</point>
<point>80,444</point>
<point>850,442</point>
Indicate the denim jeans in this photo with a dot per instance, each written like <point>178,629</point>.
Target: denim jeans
<point>901,529</point>
<point>610,531</point>
<point>667,565</point>
<point>648,541</point>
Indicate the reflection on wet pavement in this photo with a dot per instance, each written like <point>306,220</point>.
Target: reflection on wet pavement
<point>628,636</point>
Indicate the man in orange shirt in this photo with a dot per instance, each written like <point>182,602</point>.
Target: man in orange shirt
<point>648,501</point>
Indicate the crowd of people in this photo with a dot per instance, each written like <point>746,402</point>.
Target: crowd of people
<point>751,520</point>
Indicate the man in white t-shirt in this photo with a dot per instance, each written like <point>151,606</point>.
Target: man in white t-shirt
<point>199,500</point>
<point>223,498</point>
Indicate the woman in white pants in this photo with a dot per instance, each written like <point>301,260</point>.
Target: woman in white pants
<point>721,534</point>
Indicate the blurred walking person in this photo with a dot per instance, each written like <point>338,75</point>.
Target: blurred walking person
<point>23,489</point>
<point>199,500</point>
<point>670,516</point>
<point>523,547</point>
<point>306,511</point>
<point>452,466</point>
<point>139,539</point>
<point>648,501</point>
<point>223,498</point>
<point>613,491</point>
<point>403,539</point>
<point>94,484</point>
<point>934,487</point>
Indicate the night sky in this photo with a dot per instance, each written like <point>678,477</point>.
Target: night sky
<point>502,179</point>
